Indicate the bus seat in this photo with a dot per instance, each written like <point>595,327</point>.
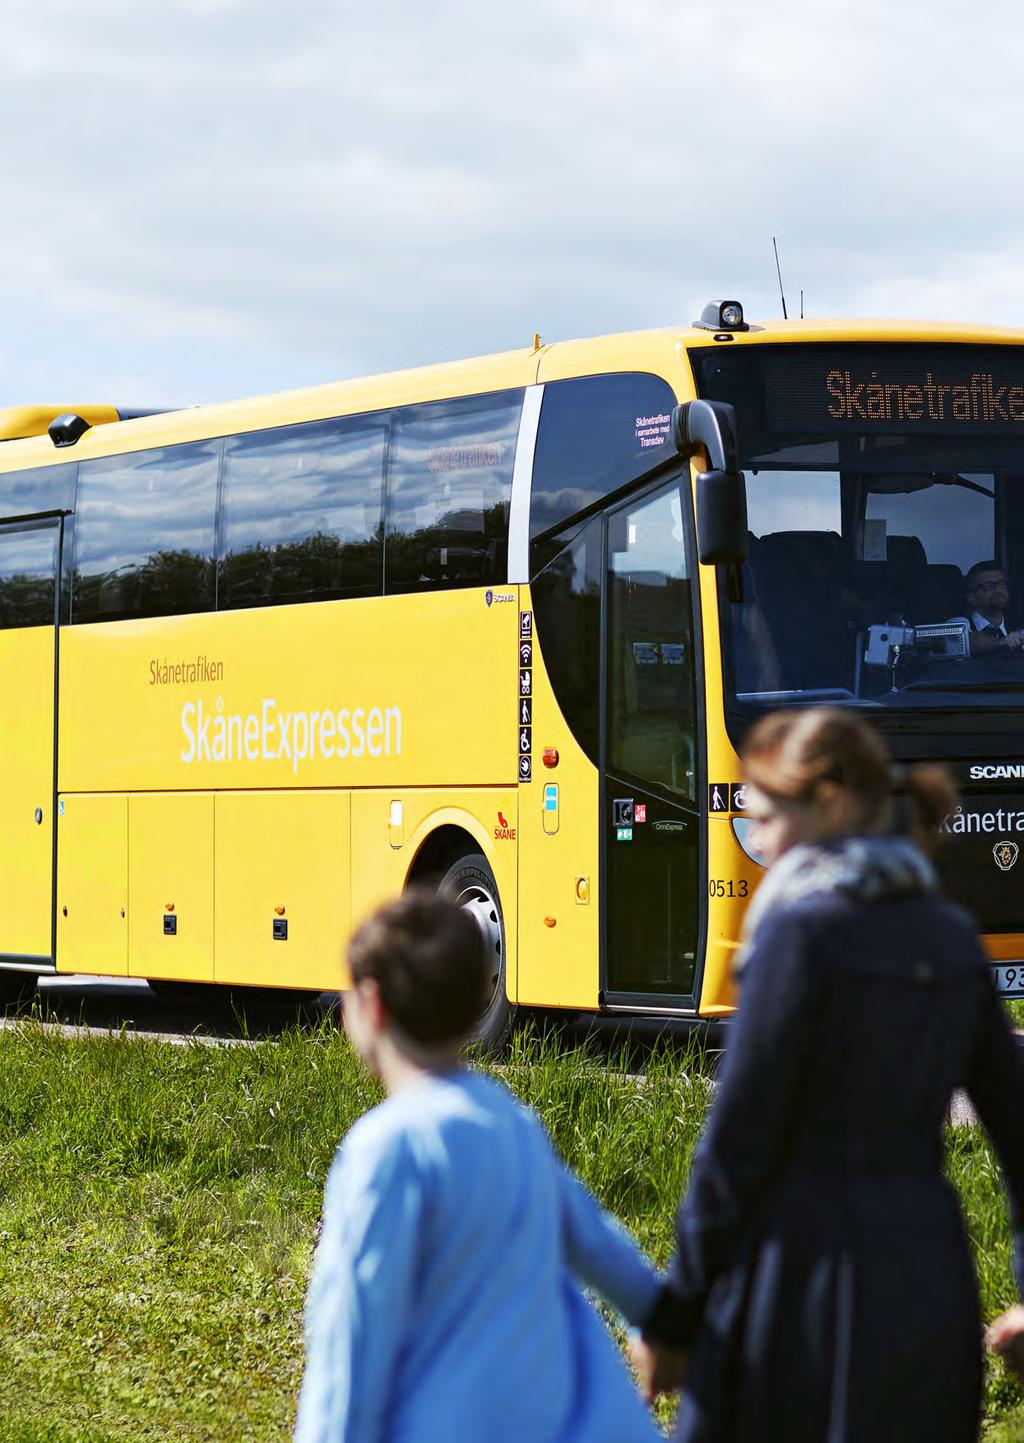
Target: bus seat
<point>940,594</point>
<point>905,552</point>
<point>793,572</point>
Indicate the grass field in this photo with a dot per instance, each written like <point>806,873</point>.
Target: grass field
<point>158,1206</point>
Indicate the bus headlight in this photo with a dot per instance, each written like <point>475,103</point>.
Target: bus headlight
<point>743,828</point>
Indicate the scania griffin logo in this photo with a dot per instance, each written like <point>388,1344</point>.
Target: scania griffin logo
<point>1006,854</point>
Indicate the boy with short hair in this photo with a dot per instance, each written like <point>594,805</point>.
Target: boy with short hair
<point>444,1306</point>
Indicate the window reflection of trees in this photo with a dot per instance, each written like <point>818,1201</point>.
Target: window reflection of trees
<point>144,533</point>
<point>449,487</point>
<point>464,547</point>
<point>300,517</point>
<point>322,567</point>
<point>301,513</point>
<point>26,600</point>
<point>28,555</point>
<point>168,582</point>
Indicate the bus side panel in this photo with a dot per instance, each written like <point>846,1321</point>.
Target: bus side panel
<point>92,885</point>
<point>170,886</point>
<point>282,888</point>
<point>414,690</point>
<point>558,849</point>
<point>732,879</point>
<point>731,876</point>
<point>26,783</point>
<point>385,849</point>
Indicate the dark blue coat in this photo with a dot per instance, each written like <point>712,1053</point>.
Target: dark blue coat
<point>823,1273</point>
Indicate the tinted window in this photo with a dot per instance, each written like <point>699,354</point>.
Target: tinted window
<point>301,513</point>
<point>28,564</point>
<point>596,434</point>
<point>567,605</point>
<point>449,484</point>
<point>144,533</point>
<point>651,717</point>
<point>46,488</point>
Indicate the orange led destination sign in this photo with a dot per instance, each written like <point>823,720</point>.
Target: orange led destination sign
<point>853,396</point>
<point>785,393</point>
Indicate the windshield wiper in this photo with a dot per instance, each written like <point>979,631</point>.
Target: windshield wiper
<point>968,485</point>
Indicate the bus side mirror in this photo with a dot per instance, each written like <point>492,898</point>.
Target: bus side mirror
<point>721,518</point>
<point>721,492</point>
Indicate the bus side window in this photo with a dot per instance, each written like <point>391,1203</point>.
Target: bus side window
<point>44,488</point>
<point>144,533</point>
<point>651,692</point>
<point>449,487</point>
<point>28,567</point>
<point>301,513</point>
<point>28,549</point>
<point>596,434</point>
<point>567,607</point>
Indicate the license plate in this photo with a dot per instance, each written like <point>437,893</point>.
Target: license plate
<point>1010,978</point>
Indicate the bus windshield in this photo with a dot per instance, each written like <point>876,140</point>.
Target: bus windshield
<point>885,502</point>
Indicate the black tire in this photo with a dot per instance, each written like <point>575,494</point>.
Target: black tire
<point>470,882</point>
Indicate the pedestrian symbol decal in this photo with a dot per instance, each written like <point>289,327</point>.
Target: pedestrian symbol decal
<point>525,711</point>
<point>718,796</point>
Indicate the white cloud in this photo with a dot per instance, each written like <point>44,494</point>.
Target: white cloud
<point>223,197</point>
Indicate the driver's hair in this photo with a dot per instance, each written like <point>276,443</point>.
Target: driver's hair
<point>977,569</point>
<point>789,754</point>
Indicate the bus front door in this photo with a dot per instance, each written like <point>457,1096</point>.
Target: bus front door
<point>650,814</point>
<point>30,553</point>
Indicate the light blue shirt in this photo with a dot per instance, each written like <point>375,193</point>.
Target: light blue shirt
<point>444,1305</point>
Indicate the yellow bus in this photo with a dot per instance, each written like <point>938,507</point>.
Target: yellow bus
<point>498,626</point>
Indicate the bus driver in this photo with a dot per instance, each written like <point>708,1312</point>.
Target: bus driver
<point>987,598</point>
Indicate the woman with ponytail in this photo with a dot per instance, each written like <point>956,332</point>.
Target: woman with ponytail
<point>823,1290</point>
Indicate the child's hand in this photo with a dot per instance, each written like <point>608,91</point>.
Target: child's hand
<point>1005,1336</point>
<point>660,1369</point>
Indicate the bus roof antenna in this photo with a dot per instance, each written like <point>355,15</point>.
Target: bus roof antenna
<point>801,302</point>
<point>778,268</point>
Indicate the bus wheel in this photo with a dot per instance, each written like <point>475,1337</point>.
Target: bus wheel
<point>470,882</point>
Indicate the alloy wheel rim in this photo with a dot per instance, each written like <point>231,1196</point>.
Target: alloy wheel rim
<point>482,906</point>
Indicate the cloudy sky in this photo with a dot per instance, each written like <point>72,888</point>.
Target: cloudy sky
<point>210,198</point>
